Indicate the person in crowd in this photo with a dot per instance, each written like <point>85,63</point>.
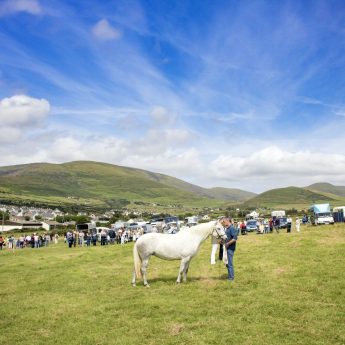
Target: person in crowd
<point>276,225</point>
<point>289,224</point>
<point>75,238</point>
<point>56,238</point>
<point>298,224</point>
<point>21,241</point>
<point>243,228</point>
<point>118,236</point>
<point>2,242</point>
<point>94,238</point>
<point>36,240</point>
<point>47,240</point>
<point>81,239</point>
<point>230,245</point>
<point>11,240</point>
<point>69,238</point>
<point>123,237</point>
<point>112,236</point>
<point>261,227</point>
<point>27,240</point>
<point>103,237</point>
<point>42,240</point>
<point>88,239</point>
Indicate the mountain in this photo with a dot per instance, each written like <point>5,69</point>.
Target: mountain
<point>324,187</point>
<point>289,196</point>
<point>228,194</point>
<point>94,184</point>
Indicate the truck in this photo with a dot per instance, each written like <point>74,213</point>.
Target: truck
<point>87,227</point>
<point>339,213</point>
<point>279,219</point>
<point>321,214</point>
<point>278,214</point>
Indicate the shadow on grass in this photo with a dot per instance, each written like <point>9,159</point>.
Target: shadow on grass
<point>172,279</point>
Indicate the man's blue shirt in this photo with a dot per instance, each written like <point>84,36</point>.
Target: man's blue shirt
<point>231,233</point>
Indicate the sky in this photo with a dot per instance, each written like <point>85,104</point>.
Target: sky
<point>238,94</point>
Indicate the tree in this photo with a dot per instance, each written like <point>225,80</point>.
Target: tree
<point>4,215</point>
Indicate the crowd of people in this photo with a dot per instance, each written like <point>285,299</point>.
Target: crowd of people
<point>34,240</point>
<point>104,237</point>
<point>75,238</point>
<point>264,226</point>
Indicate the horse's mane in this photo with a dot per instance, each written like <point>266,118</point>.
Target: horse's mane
<point>196,228</point>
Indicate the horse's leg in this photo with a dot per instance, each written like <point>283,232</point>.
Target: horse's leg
<point>182,268</point>
<point>186,270</point>
<point>144,265</point>
<point>133,278</point>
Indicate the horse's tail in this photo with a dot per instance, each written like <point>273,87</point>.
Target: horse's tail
<point>137,261</point>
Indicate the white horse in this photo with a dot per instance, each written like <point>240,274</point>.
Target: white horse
<point>181,246</point>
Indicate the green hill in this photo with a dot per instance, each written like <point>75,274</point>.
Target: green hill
<point>93,184</point>
<point>329,188</point>
<point>228,194</point>
<point>289,196</point>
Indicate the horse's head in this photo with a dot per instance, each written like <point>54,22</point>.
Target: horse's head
<point>219,231</point>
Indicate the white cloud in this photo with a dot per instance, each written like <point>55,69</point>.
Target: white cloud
<point>9,135</point>
<point>14,6</point>
<point>22,110</point>
<point>173,154</point>
<point>274,163</point>
<point>104,31</point>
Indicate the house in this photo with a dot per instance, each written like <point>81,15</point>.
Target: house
<point>8,225</point>
<point>49,225</point>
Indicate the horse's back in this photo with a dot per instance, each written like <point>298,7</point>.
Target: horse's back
<point>167,246</point>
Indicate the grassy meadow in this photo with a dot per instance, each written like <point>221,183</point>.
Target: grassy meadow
<point>289,289</point>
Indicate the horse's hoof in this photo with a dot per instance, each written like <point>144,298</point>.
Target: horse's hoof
<point>147,285</point>
<point>134,285</point>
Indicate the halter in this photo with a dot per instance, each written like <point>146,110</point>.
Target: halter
<point>218,235</point>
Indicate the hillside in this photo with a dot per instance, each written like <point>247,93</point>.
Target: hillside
<point>228,194</point>
<point>328,188</point>
<point>286,196</point>
<point>99,185</point>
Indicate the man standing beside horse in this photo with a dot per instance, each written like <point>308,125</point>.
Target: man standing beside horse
<point>230,245</point>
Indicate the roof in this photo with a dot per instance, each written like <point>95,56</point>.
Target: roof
<point>320,208</point>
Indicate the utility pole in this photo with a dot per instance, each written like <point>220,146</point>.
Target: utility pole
<point>3,219</point>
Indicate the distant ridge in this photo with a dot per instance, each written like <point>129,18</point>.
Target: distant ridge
<point>97,184</point>
<point>286,196</point>
<point>325,187</point>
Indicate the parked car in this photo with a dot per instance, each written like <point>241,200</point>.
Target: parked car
<point>252,225</point>
<point>282,222</point>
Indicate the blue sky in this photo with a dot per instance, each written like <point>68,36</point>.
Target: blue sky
<point>244,94</point>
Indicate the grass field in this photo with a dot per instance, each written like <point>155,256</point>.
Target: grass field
<point>289,289</point>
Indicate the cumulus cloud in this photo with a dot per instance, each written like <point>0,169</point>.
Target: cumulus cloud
<point>9,135</point>
<point>22,110</point>
<point>14,6</point>
<point>273,162</point>
<point>18,113</point>
<point>105,32</point>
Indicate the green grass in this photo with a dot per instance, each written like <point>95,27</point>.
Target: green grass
<point>289,289</point>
